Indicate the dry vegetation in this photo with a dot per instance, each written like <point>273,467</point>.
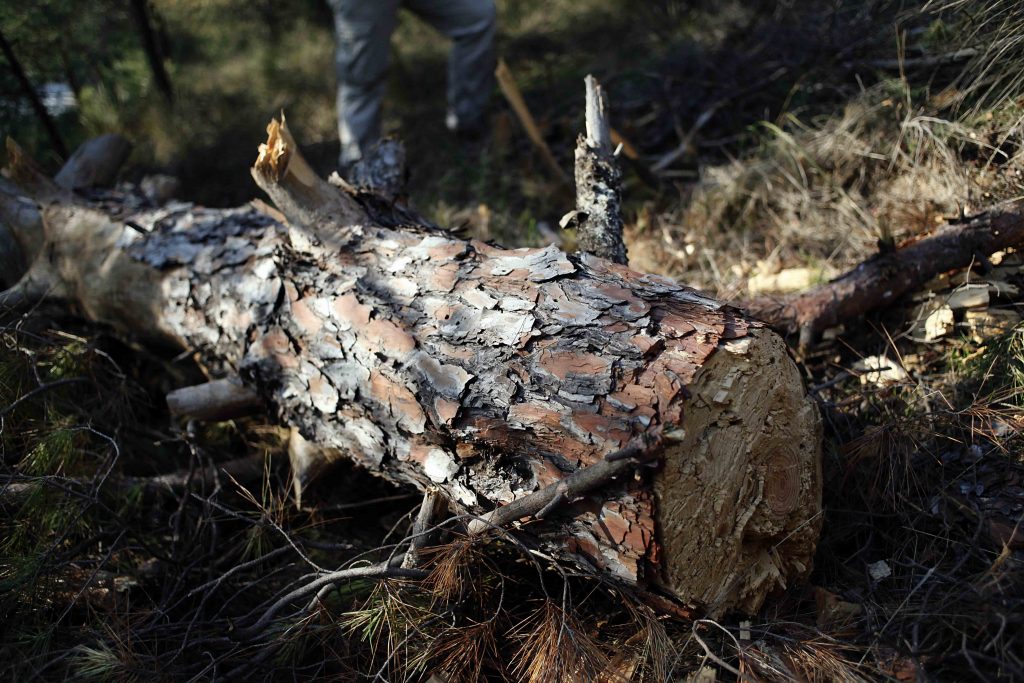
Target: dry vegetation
<point>806,139</point>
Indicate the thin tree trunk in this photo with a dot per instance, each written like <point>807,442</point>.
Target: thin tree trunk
<point>69,71</point>
<point>56,141</point>
<point>151,46</point>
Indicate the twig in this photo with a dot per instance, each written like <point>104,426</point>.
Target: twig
<point>554,503</point>
<point>341,507</point>
<point>433,503</point>
<point>633,160</point>
<point>707,650</point>
<point>40,389</point>
<point>509,88</point>
<point>237,568</point>
<point>378,571</point>
<point>705,116</point>
<point>579,482</point>
<point>684,145</point>
<point>923,62</point>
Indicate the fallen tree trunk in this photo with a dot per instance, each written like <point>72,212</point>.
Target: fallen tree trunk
<point>488,373</point>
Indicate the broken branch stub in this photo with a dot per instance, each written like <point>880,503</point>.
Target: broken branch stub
<point>222,399</point>
<point>598,214</point>
<point>95,164</point>
<point>488,373</point>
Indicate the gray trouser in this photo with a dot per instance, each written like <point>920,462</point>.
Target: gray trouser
<point>364,30</point>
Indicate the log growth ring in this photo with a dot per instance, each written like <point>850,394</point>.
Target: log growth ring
<point>739,497</point>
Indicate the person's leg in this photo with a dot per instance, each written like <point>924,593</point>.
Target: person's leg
<point>471,25</point>
<point>363,30</point>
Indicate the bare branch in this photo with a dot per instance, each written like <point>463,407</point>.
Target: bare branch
<point>95,163</point>
<point>433,505</point>
<point>543,501</point>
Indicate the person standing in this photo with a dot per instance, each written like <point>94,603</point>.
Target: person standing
<point>364,29</point>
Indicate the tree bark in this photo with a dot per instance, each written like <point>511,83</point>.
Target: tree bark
<point>488,373</point>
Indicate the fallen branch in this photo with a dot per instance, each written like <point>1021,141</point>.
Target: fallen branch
<point>95,163</point>
<point>433,505</point>
<point>881,280</point>
<point>247,471</point>
<point>509,88</point>
<point>377,571</point>
<point>543,501</point>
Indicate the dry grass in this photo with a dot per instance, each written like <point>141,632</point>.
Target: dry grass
<point>995,30</point>
<point>898,157</point>
<point>824,196</point>
<point>556,648</point>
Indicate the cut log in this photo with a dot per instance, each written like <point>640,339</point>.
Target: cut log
<point>488,373</point>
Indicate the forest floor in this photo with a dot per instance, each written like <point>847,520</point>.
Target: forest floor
<point>788,143</point>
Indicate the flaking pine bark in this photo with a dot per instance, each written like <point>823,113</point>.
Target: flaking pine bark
<point>488,373</point>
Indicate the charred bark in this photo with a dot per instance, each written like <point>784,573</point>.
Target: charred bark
<point>488,373</point>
